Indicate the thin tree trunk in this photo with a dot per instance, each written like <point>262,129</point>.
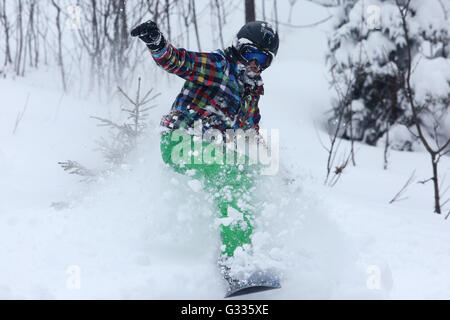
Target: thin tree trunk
<point>250,14</point>
<point>194,20</point>
<point>435,154</point>
<point>219,19</point>
<point>275,11</point>
<point>386,148</point>
<point>36,38</point>
<point>434,163</point>
<point>60,55</point>
<point>19,38</point>
<point>4,19</point>
<point>31,31</point>
<point>168,20</point>
<point>263,5</point>
<point>123,37</point>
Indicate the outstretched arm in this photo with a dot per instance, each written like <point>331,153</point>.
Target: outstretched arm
<point>203,68</point>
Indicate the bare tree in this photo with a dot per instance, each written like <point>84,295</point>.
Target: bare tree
<point>292,3</point>
<point>43,34</point>
<point>387,145</point>
<point>7,28</point>
<point>275,13</point>
<point>31,47</point>
<point>343,84</point>
<point>19,37</point>
<point>263,5</point>
<point>334,130</point>
<point>327,3</point>
<point>185,13</point>
<point>219,20</point>
<point>60,53</point>
<point>101,45</point>
<point>435,152</point>
<point>93,36</point>
<point>167,10</point>
<point>250,13</point>
<point>194,20</point>
<point>399,195</point>
<point>119,42</point>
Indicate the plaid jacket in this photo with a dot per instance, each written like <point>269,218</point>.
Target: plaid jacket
<point>214,91</point>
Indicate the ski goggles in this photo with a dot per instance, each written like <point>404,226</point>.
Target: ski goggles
<point>252,53</point>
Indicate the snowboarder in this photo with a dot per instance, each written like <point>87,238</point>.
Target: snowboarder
<point>222,90</point>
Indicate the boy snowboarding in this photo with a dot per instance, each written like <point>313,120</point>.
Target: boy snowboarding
<point>221,92</point>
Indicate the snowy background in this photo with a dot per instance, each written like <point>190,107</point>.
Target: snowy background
<point>145,232</point>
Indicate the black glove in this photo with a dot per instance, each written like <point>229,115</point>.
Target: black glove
<point>150,34</point>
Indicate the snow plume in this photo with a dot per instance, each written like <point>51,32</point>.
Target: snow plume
<point>147,232</point>
<point>296,238</point>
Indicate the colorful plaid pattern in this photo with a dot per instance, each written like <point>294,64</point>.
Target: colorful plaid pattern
<point>214,91</point>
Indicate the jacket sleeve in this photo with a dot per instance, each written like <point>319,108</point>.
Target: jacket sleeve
<point>203,68</point>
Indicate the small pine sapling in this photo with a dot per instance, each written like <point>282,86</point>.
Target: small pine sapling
<point>122,137</point>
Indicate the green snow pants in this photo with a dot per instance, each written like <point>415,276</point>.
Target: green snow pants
<point>229,185</point>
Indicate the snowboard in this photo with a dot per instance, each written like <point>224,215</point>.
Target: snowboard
<point>257,282</point>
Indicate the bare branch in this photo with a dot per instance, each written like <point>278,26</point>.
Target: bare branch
<point>425,181</point>
<point>326,3</point>
<point>320,140</point>
<point>126,96</point>
<point>434,154</point>
<point>305,26</point>
<point>21,114</point>
<point>73,167</point>
<point>403,189</point>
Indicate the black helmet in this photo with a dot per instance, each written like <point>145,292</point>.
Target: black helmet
<point>261,34</point>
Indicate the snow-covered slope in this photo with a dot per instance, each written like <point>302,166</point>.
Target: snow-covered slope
<point>148,233</point>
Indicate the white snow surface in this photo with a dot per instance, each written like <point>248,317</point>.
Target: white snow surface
<point>149,233</point>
